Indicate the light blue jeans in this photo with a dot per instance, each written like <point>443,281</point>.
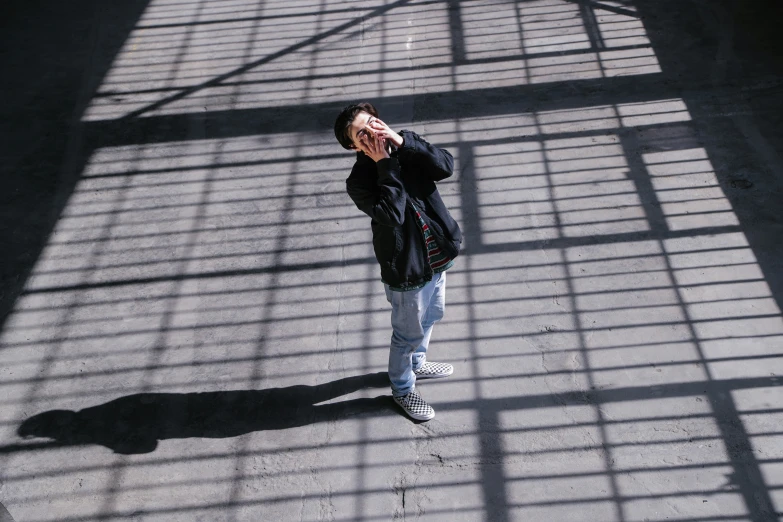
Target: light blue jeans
<point>414,313</point>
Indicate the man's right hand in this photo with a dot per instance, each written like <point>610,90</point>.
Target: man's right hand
<point>374,146</point>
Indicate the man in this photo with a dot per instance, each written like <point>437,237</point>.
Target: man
<point>414,237</point>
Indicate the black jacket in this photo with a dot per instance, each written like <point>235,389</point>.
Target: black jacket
<point>387,192</point>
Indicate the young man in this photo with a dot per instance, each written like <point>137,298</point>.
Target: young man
<point>414,237</point>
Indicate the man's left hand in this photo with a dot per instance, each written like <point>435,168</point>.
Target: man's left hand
<point>383,131</point>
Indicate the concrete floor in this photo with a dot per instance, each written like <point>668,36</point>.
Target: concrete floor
<point>193,326</point>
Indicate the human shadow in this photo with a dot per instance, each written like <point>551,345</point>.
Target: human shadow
<point>135,423</point>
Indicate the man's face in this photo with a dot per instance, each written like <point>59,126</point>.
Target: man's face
<point>360,127</point>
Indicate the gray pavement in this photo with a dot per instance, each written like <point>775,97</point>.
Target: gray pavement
<point>193,323</point>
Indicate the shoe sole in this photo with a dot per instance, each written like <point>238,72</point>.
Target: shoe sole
<point>433,375</point>
<point>417,417</point>
<point>413,415</point>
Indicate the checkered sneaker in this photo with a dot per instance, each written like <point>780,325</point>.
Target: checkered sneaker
<point>433,370</point>
<point>415,406</point>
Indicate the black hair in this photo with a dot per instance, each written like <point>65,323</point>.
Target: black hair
<point>342,126</point>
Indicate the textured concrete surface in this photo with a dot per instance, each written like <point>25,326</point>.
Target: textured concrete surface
<point>192,322</point>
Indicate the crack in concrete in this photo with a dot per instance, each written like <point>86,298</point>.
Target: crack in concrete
<point>399,491</point>
<point>326,507</point>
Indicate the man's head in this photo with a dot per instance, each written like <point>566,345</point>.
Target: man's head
<point>352,123</point>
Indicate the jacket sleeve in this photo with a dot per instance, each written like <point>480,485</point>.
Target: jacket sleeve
<point>385,203</point>
<point>435,162</point>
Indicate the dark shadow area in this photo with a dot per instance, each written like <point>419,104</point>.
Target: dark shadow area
<point>54,56</point>
<point>5,516</point>
<point>135,423</point>
<point>726,58</point>
<point>730,54</point>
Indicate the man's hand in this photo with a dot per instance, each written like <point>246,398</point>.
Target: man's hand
<point>373,145</point>
<point>385,132</point>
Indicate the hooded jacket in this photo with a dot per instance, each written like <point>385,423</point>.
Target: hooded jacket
<point>390,191</point>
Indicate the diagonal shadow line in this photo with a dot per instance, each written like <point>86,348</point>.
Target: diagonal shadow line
<point>260,18</point>
<point>746,474</point>
<point>606,7</point>
<point>262,61</point>
<point>220,21</point>
<point>592,26</point>
<point>5,516</point>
